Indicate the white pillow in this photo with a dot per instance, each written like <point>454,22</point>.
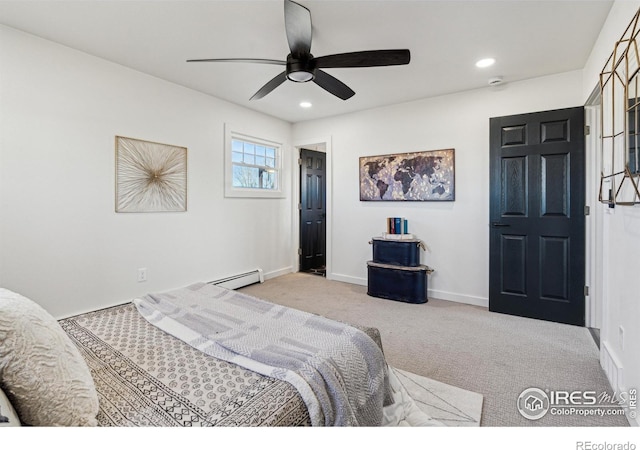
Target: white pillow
<point>41,370</point>
<point>8,415</point>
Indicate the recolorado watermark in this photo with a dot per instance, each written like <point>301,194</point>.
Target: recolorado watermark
<point>588,445</point>
<point>534,403</point>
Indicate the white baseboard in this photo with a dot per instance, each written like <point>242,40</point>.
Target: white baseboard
<point>459,298</point>
<point>347,279</point>
<point>611,366</point>
<point>614,371</point>
<point>431,293</point>
<point>278,272</point>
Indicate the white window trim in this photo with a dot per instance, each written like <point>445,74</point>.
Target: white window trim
<point>230,190</point>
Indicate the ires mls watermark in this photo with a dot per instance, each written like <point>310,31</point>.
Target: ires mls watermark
<point>534,403</point>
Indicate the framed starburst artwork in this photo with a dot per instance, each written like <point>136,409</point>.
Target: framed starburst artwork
<point>150,177</point>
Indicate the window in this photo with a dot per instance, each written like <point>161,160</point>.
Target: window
<point>252,166</point>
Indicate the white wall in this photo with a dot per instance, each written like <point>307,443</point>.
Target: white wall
<point>620,234</point>
<point>61,243</point>
<point>457,233</point>
<point>617,21</point>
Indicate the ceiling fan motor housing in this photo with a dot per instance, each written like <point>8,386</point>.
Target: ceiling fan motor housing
<point>301,70</point>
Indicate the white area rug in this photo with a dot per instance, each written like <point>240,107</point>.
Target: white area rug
<point>439,404</point>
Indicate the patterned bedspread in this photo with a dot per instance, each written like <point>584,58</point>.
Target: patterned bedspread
<point>339,371</point>
<point>145,377</point>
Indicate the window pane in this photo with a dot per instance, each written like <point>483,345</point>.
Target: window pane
<point>260,150</point>
<point>249,148</point>
<point>236,146</point>
<point>260,160</point>
<point>270,162</point>
<point>271,152</point>
<point>246,177</point>
<point>268,180</point>
<point>236,157</point>
<point>249,159</point>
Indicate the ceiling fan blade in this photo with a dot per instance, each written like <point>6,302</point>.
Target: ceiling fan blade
<point>369,58</point>
<point>241,60</point>
<point>333,85</point>
<point>297,23</point>
<point>270,86</point>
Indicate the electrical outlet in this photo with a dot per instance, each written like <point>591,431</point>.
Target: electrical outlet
<point>142,275</point>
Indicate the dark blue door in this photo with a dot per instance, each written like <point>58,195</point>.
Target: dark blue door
<point>537,237</point>
<point>313,211</point>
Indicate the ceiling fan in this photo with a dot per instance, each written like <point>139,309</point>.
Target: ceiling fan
<point>302,66</point>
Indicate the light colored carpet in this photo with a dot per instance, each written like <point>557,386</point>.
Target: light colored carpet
<point>495,355</point>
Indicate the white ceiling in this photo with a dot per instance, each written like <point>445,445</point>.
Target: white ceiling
<point>527,38</point>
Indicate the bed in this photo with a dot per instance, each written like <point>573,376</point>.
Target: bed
<point>146,377</point>
<point>124,366</point>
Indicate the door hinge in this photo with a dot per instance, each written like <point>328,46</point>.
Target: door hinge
<point>586,291</point>
<point>587,130</point>
<point>299,161</point>
<point>299,252</point>
<point>587,210</point>
<point>300,206</point>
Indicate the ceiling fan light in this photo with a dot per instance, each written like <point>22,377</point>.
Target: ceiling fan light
<point>300,76</point>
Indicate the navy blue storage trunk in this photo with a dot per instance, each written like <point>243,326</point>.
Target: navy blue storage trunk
<point>402,283</point>
<point>404,252</point>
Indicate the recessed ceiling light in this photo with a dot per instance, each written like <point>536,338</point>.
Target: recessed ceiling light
<point>305,104</point>
<point>486,62</point>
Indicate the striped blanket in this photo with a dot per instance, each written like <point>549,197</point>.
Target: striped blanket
<point>339,371</point>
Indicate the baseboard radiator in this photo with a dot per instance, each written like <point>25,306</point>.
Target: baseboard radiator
<point>240,280</point>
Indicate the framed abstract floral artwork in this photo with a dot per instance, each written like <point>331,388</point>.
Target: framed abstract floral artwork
<point>419,176</point>
<point>150,177</point>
